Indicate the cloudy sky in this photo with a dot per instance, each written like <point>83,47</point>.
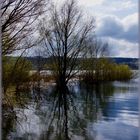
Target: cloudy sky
<point>116,22</point>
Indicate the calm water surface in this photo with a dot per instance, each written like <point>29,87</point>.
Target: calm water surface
<point>102,112</point>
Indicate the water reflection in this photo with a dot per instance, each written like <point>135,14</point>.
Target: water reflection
<point>76,112</point>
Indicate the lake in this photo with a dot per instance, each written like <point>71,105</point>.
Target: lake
<point>106,111</point>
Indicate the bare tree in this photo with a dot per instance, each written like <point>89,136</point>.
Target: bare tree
<point>96,48</point>
<point>17,18</point>
<point>95,53</point>
<point>64,37</point>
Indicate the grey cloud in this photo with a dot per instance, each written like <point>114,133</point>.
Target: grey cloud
<point>109,27</point>
<point>113,27</point>
<point>131,34</point>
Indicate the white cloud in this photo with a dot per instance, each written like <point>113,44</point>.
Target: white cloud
<point>85,3</point>
<point>119,8</point>
<point>90,2</point>
<point>122,48</point>
<point>118,5</point>
<point>130,20</point>
<point>128,4</point>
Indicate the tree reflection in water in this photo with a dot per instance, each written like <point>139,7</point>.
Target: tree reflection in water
<point>61,100</point>
<point>64,113</point>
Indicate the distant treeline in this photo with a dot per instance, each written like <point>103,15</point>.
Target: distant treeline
<point>131,62</point>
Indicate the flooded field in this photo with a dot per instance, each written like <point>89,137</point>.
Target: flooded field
<point>82,112</point>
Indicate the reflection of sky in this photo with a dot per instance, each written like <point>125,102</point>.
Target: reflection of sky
<point>120,118</point>
<point>115,131</point>
<point>29,124</point>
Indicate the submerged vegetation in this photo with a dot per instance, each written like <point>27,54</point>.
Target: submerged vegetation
<point>18,73</point>
<point>104,70</point>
